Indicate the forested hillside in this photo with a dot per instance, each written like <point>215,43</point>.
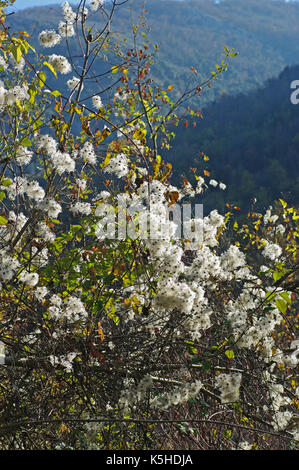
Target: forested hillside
<point>252,141</point>
<point>129,322</point>
<point>192,33</point>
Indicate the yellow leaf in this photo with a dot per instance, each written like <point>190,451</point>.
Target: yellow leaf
<point>136,300</point>
<point>107,159</point>
<point>167,172</point>
<point>157,165</point>
<point>51,68</point>
<point>103,136</point>
<point>18,103</point>
<point>64,428</point>
<point>100,331</point>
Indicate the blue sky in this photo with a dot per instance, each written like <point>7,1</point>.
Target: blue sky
<point>21,4</point>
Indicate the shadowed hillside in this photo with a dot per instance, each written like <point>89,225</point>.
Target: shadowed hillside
<point>253,144</point>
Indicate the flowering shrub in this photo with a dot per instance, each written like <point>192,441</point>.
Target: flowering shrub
<point>112,339</point>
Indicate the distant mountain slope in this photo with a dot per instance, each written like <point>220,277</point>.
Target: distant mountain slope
<point>253,144</point>
<point>253,139</point>
<point>192,33</point>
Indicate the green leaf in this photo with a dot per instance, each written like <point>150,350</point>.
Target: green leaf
<point>281,305</point>
<point>26,142</point>
<point>285,297</point>
<point>3,221</point>
<point>230,354</point>
<point>6,182</point>
<point>206,366</point>
<point>192,348</point>
<point>17,53</point>
<point>32,94</point>
<point>37,124</point>
<point>277,275</point>
<point>41,79</point>
<point>269,297</point>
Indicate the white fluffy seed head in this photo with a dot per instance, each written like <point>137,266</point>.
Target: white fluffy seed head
<point>60,63</point>
<point>49,38</point>
<point>66,29</point>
